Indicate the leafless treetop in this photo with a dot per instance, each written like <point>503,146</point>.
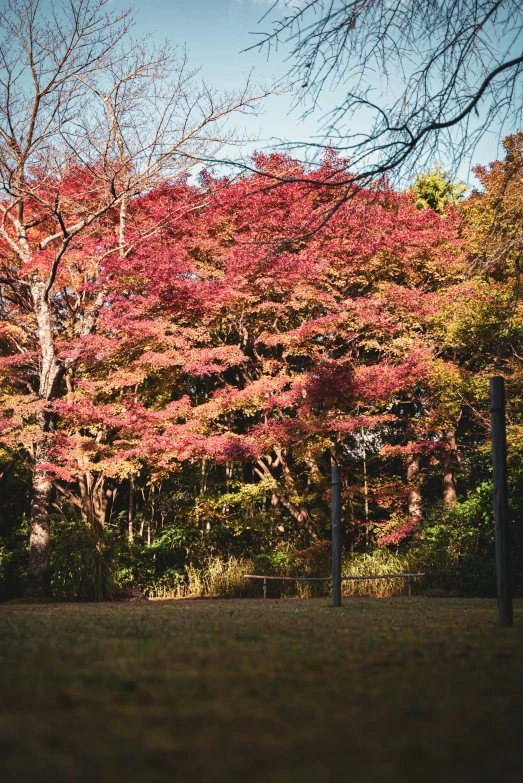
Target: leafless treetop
<point>77,90</point>
<point>418,79</point>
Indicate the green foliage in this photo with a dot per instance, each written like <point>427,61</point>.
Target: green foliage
<point>436,190</point>
<point>379,561</point>
<point>14,545</point>
<point>221,578</point>
<point>455,546</point>
<point>15,480</point>
<point>81,570</point>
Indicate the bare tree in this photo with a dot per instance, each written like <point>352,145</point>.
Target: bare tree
<point>418,80</point>
<point>78,93</point>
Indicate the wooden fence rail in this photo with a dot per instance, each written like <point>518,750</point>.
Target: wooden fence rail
<point>409,577</point>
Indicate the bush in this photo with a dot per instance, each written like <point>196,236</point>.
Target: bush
<point>456,546</point>
<point>14,555</point>
<point>81,570</point>
<point>380,561</point>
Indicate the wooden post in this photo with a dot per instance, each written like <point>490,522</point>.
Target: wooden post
<point>336,535</point>
<point>264,587</point>
<point>501,511</point>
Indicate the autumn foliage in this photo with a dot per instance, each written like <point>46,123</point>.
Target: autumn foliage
<point>230,349</point>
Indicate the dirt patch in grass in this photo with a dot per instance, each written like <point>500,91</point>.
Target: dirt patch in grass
<point>281,691</point>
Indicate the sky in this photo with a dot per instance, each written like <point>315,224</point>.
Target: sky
<point>215,32</point>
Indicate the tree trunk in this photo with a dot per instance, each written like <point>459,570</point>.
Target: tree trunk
<point>51,373</point>
<point>297,510</point>
<point>365,490</point>
<point>40,529</point>
<point>130,517</point>
<point>228,476</point>
<point>95,495</point>
<point>414,493</point>
<point>300,514</point>
<point>228,483</point>
<point>204,476</point>
<point>450,460</point>
<point>414,503</point>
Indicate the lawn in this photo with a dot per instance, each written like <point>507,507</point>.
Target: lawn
<point>282,691</point>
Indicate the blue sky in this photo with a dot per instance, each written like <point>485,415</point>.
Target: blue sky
<point>216,32</point>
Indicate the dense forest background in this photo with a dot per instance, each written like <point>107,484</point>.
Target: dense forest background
<point>213,372</point>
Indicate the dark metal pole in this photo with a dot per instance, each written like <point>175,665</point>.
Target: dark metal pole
<point>501,512</point>
<point>264,587</point>
<point>336,535</point>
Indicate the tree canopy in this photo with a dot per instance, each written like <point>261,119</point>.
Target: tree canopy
<point>183,359</point>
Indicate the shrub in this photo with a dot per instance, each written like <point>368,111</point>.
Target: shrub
<point>380,561</point>
<point>81,570</point>
<point>13,560</point>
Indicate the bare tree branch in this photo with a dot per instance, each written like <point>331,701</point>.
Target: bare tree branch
<point>419,80</point>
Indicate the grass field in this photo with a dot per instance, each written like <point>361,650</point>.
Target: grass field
<point>280,691</point>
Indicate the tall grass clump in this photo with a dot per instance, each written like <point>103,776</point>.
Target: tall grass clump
<point>215,578</point>
<point>315,561</point>
<point>226,578</point>
<point>378,562</point>
<point>81,570</point>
